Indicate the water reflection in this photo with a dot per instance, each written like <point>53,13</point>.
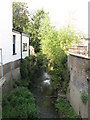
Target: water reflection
<point>42,92</point>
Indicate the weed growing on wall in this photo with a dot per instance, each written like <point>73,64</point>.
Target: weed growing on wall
<point>84,97</point>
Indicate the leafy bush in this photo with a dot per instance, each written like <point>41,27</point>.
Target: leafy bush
<point>20,104</point>
<point>84,97</point>
<point>42,61</point>
<point>63,106</point>
<point>21,83</point>
<point>23,69</point>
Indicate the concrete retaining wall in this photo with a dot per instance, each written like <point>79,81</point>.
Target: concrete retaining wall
<point>11,73</point>
<point>10,79</point>
<point>78,84</point>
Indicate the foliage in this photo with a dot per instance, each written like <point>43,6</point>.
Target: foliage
<point>67,37</point>
<point>21,83</point>
<point>64,107</point>
<point>54,45</point>
<point>42,61</point>
<point>84,97</point>
<point>20,16</point>
<point>20,104</point>
<point>30,66</point>
<point>34,29</point>
<point>33,69</point>
<point>23,69</point>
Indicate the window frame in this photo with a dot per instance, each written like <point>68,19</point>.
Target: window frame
<point>24,45</point>
<point>14,45</point>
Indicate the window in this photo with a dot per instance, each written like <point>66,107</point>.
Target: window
<point>24,46</point>
<point>14,45</point>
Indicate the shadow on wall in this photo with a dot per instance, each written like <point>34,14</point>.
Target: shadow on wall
<point>10,79</point>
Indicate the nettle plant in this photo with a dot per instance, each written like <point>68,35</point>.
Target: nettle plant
<point>84,97</point>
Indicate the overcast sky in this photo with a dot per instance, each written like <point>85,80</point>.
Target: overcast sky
<point>63,12</point>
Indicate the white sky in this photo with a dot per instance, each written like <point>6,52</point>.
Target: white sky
<point>62,12</point>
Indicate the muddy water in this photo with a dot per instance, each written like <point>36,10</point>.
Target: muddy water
<point>43,94</point>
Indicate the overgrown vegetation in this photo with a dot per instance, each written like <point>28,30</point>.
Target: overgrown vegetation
<point>51,51</point>
<point>50,45</point>
<point>32,65</point>
<point>84,97</point>
<point>54,45</point>
<point>20,104</point>
<point>63,107</point>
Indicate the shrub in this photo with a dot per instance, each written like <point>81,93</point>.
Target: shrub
<point>19,104</point>
<point>84,97</point>
<point>63,106</point>
<point>21,83</point>
<point>23,69</point>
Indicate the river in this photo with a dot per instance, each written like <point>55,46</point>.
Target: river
<point>43,94</point>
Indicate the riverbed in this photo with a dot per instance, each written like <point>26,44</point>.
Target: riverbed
<point>44,96</point>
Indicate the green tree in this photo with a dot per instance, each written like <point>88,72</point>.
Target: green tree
<point>54,44</point>
<point>34,29</point>
<point>20,16</point>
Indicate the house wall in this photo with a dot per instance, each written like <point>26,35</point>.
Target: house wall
<point>6,42</point>
<point>78,84</point>
<point>5,35</point>
<point>89,28</point>
<point>6,29</point>
<point>25,39</point>
<point>11,63</point>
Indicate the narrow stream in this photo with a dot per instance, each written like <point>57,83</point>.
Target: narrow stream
<point>43,94</point>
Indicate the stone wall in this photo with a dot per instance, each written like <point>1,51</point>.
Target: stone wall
<point>78,83</point>
<point>11,73</point>
<point>10,66</point>
<point>10,79</point>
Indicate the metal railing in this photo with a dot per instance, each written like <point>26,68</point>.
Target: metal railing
<point>80,50</point>
<point>1,62</point>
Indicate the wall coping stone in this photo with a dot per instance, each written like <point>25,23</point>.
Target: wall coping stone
<point>79,55</point>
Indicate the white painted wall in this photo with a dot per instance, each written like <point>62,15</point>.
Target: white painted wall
<point>6,29</point>
<point>25,39</point>
<point>6,34</point>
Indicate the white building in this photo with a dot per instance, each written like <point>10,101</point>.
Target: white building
<point>19,51</point>
<point>14,45</point>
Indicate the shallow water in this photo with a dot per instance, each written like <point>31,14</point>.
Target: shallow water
<point>42,92</point>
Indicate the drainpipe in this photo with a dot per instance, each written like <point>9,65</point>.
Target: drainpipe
<point>21,46</point>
